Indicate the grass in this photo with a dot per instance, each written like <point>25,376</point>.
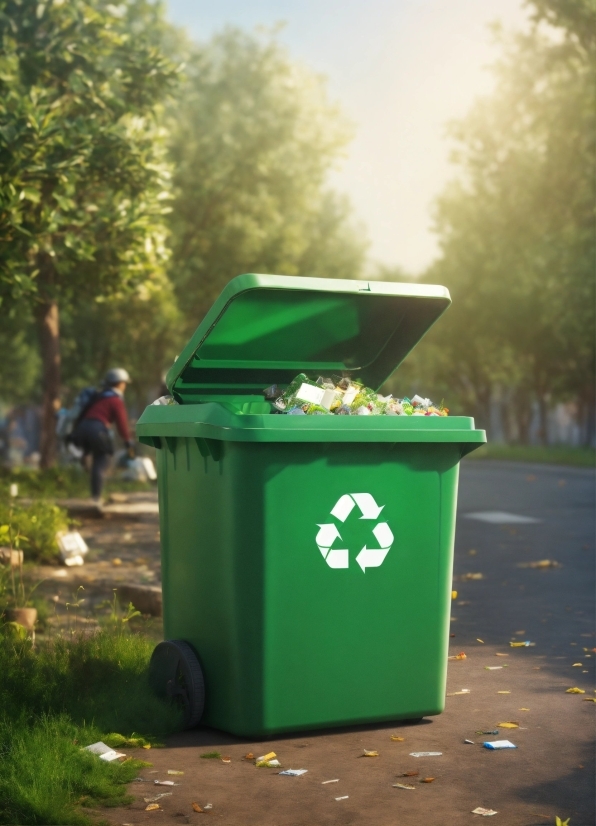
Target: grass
<point>555,455</point>
<point>54,701</point>
<point>62,482</point>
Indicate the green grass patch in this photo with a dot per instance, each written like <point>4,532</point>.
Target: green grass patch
<point>66,695</point>
<point>62,482</point>
<point>556,455</point>
<point>34,527</point>
<point>211,755</point>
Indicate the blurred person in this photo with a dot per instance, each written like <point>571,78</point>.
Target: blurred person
<point>92,431</point>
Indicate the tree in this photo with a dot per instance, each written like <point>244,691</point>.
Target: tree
<point>517,231</point>
<point>253,139</point>
<point>83,183</point>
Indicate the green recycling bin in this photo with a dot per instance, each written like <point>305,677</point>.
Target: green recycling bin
<point>306,560</point>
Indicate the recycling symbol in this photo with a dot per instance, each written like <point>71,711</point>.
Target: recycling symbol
<point>328,533</point>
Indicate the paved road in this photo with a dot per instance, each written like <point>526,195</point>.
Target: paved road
<point>552,770</point>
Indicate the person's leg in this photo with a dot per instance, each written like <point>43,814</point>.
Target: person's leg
<point>99,467</point>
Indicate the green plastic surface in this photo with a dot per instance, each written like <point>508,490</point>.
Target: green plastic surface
<point>264,329</point>
<point>287,640</point>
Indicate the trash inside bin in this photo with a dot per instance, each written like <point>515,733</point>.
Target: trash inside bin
<point>306,559</point>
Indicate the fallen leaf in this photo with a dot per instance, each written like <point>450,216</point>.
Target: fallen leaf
<point>197,808</point>
<point>226,759</point>
<point>575,690</point>
<point>397,739</point>
<point>249,756</point>
<point>152,807</point>
<point>508,725</point>
<point>147,746</point>
<point>427,779</point>
<point>403,786</point>
<point>369,753</point>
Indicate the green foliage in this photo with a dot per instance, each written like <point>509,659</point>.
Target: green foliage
<point>60,482</point>
<point>556,455</point>
<point>84,183</point>
<point>60,698</point>
<point>38,522</point>
<point>253,138</point>
<point>517,233</point>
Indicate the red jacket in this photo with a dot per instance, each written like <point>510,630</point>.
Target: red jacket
<point>110,410</point>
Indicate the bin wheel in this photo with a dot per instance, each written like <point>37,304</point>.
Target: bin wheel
<point>175,674</point>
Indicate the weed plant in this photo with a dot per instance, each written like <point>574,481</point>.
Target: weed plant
<point>38,523</point>
<point>54,701</point>
<point>61,482</point>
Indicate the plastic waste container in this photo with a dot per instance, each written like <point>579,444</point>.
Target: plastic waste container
<point>306,560</point>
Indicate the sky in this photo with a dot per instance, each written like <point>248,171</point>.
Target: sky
<point>400,70</point>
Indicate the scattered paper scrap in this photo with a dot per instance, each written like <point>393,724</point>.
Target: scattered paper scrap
<point>165,783</point>
<point>479,810</point>
<point>575,690</point>
<point>503,692</point>
<point>499,744</point>
<point>345,797</point>
<point>427,779</point>
<point>104,752</point>
<point>324,783</point>
<point>455,693</point>
<point>524,644</point>
<point>499,654</point>
<point>524,709</point>
<point>493,667</point>
<point>157,797</point>
<point>294,772</point>
<point>175,772</point>
<point>397,739</point>
<point>403,786</point>
<point>508,724</point>
<point>426,754</point>
<point>367,753</point>
<point>479,640</point>
<point>470,742</point>
<point>577,665</point>
<point>472,576</point>
<point>269,764</point>
<point>460,656</point>
<point>152,807</point>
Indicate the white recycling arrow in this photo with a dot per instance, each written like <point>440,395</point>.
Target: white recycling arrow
<point>338,558</point>
<point>383,535</point>
<point>327,535</point>
<point>367,505</point>
<point>343,507</point>
<point>371,557</point>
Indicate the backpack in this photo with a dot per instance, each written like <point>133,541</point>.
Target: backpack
<point>68,418</point>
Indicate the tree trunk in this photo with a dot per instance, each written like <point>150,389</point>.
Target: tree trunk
<point>543,419</point>
<point>48,329</point>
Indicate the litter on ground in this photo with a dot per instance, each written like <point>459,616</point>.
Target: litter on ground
<point>460,656</point>
<point>403,786</point>
<point>426,754</point>
<point>509,724</point>
<point>369,753</point>
<point>324,783</point>
<point>345,797</point>
<point>479,810</point>
<point>575,690</point>
<point>397,739</point>
<point>499,744</point>
<point>157,797</point>
<point>104,752</point>
<point>175,772</point>
<point>152,807</point>
<point>294,772</point>
<point>524,644</point>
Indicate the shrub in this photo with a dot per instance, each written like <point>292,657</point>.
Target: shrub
<point>39,522</point>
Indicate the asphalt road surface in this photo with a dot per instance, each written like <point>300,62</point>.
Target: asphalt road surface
<point>528,513</point>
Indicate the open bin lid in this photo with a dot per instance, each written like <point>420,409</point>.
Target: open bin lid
<point>264,329</point>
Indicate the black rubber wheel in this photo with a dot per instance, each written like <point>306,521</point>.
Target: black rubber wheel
<point>175,674</point>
